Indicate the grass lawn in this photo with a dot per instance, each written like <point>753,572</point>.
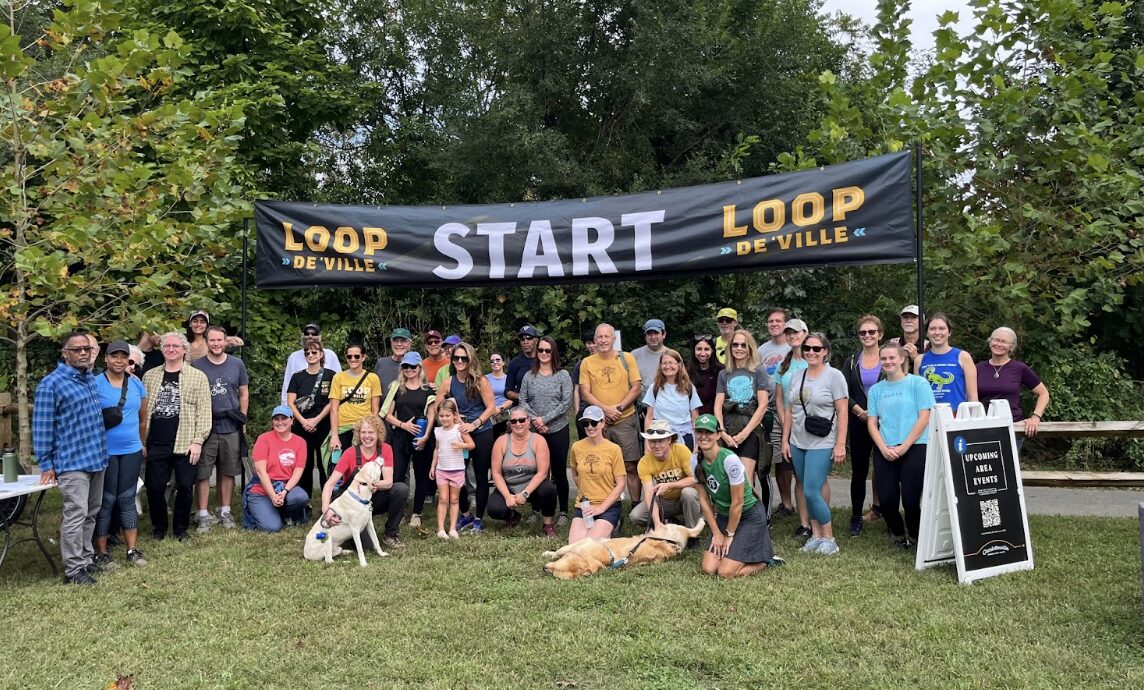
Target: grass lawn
<point>243,610</point>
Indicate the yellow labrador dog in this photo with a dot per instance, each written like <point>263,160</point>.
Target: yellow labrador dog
<point>589,556</point>
<point>355,509</point>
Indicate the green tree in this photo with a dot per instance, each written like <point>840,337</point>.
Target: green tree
<point>117,193</point>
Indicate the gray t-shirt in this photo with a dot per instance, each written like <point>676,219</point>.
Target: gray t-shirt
<point>224,380</point>
<point>742,386</point>
<point>648,364</point>
<point>387,370</point>
<point>819,395</point>
<point>772,357</point>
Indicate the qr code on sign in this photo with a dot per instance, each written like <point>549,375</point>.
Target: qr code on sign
<point>990,513</point>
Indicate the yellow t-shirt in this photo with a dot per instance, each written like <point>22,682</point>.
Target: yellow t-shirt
<point>721,349</point>
<point>597,467</point>
<point>676,467</point>
<point>358,406</point>
<point>608,380</point>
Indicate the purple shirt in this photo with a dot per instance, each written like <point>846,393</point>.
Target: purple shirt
<point>869,376</point>
<point>1007,386</point>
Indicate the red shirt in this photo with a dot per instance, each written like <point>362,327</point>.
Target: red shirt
<point>349,462</point>
<point>280,457</point>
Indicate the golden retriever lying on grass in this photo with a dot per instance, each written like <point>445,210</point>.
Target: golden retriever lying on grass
<point>589,556</point>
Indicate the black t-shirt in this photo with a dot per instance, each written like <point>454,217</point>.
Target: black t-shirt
<point>302,384</point>
<point>165,411</point>
<point>410,404</point>
<point>517,368</point>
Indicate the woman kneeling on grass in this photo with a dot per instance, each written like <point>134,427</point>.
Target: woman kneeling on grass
<point>740,542</point>
<point>389,495</point>
<point>598,469</point>
<point>279,461</point>
<point>520,474</point>
<point>899,412</point>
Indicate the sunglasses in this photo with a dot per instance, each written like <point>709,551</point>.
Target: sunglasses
<point>460,358</point>
<point>544,350</point>
<point>432,342</point>
<point>311,333</point>
<point>699,338</point>
<point>496,361</point>
<point>725,319</point>
<point>313,352</point>
<point>527,337</point>
<point>522,420</point>
<point>87,348</point>
<point>813,348</point>
<point>868,332</point>
<point>591,423</point>
<point>410,366</point>
<point>354,356</point>
<point>738,345</point>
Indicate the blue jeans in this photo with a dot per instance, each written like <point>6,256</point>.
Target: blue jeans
<point>119,484</point>
<point>267,517</point>
<point>812,467</point>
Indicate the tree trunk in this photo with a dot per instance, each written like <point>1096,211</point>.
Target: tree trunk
<point>23,407</point>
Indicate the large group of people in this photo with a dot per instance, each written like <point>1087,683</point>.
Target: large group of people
<point>658,433</point>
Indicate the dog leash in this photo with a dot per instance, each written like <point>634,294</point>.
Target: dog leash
<point>621,562</point>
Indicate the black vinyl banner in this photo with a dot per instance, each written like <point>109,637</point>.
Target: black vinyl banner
<point>853,213</point>
<point>989,510</point>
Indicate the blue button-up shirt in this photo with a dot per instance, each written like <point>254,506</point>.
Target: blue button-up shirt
<point>67,425</point>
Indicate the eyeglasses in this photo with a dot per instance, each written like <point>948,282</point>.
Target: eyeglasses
<point>868,332</point>
<point>738,345</point>
<point>590,423</point>
<point>168,346</point>
<point>1000,341</point>
<point>704,337</point>
<point>460,358</point>
<point>544,350</point>
<point>522,420</point>
<point>87,348</point>
<point>354,356</point>
<point>813,348</point>
<point>410,366</point>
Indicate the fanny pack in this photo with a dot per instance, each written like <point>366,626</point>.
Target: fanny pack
<point>113,416</point>
<point>819,426</point>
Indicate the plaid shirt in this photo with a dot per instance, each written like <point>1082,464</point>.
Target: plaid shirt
<point>67,425</point>
<point>194,405</point>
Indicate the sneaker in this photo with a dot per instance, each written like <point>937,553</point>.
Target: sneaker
<point>476,527</point>
<point>562,520</point>
<point>812,545</point>
<point>392,541</point>
<point>227,520</point>
<point>776,561</point>
<point>903,543</point>
<point>80,578</point>
<point>548,531</point>
<point>464,522</point>
<point>415,521</point>
<point>453,534</point>
<point>441,534</point>
<point>532,518</point>
<point>802,532</point>
<point>856,525</point>
<point>782,512</point>
<point>135,557</point>
<point>92,570</point>
<point>828,547</point>
<point>182,536</point>
<point>206,522</point>
<point>103,563</point>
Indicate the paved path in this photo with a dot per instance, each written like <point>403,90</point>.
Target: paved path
<point>1043,500</point>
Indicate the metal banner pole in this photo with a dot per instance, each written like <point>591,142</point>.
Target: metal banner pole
<point>918,238</point>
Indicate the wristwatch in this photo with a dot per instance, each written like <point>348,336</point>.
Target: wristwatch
<point>730,534</point>
<point>525,494</point>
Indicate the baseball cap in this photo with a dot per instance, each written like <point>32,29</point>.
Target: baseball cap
<point>312,327</point>
<point>658,429</point>
<point>118,346</point>
<point>593,413</point>
<point>654,325</point>
<point>453,340</point>
<point>528,330</point>
<point>707,422</point>
<point>910,309</point>
<point>201,313</point>
<point>795,325</point>
<point>727,312</point>
<point>411,358</point>
<point>432,334</point>
<point>400,333</point>
<point>282,411</point>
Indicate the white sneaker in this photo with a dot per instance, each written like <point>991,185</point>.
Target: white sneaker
<point>453,534</point>
<point>206,522</point>
<point>828,547</point>
<point>415,521</point>
<point>227,519</point>
<point>441,534</point>
<point>811,545</point>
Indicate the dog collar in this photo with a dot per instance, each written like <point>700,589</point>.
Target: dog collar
<point>359,499</point>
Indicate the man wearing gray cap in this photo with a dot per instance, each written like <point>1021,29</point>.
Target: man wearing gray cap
<point>911,338</point>
<point>311,333</point>
<point>648,356</point>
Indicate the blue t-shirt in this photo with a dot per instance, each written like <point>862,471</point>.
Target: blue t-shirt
<point>673,407</point>
<point>897,404</point>
<point>796,365</point>
<point>122,439</point>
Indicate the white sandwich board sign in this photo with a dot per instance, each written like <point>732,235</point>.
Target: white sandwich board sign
<point>973,500</point>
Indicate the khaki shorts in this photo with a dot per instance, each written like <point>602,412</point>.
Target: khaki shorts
<point>626,434</point>
<point>221,450</point>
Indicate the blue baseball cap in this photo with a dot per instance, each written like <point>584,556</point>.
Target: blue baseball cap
<point>282,411</point>
<point>654,325</point>
<point>413,358</point>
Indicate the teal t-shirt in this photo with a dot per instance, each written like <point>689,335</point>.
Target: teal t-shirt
<point>897,404</point>
<point>796,365</point>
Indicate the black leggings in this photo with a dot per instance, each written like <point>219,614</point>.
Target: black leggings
<point>314,440</point>
<point>482,459</point>
<point>861,445</point>
<point>558,464</point>
<point>404,453</point>
<point>543,499</point>
<point>903,480</point>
